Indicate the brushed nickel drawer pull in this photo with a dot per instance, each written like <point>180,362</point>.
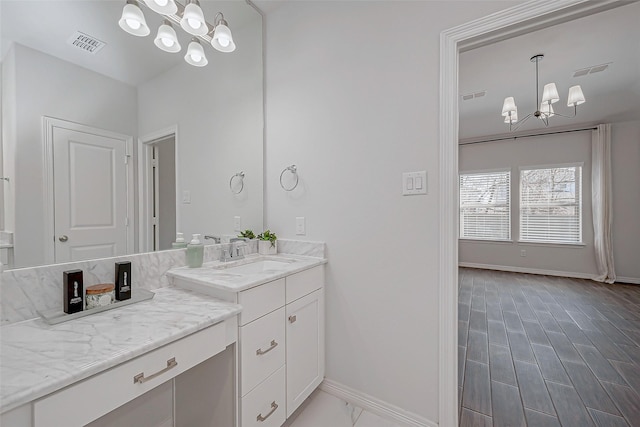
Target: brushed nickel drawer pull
<point>141,379</point>
<point>260,351</point>
<point>292,318</point>
<point>274,406</point>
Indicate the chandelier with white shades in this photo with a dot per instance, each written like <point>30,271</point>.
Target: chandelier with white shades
<point>190,17</point>
<point>549,97</point>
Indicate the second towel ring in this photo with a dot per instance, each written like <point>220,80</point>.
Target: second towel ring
<point>240,176</point>
<point>294,170</point>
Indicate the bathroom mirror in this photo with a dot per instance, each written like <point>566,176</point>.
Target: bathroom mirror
<point>180,132</point>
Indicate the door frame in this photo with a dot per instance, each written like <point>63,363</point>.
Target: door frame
<point>520,19</point>
<point>48,126</point>
<point>145,199</point>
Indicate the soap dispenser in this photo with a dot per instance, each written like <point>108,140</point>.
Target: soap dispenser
<point>195,252</point>
<point>179,243</point>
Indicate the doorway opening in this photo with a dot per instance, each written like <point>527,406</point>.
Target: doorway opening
<point>158,213</point>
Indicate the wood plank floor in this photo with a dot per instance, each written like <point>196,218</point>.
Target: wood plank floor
<point>547,351</point>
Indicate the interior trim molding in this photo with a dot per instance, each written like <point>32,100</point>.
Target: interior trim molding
<point>519,19</point>
<point>527,270</point>
<point>375,406</point>
<point>632,280</point>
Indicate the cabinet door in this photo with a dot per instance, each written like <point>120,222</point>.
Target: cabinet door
<point>305,347</point>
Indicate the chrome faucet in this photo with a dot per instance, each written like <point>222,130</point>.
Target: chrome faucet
<point>216,239</point>
<point>235,251</point>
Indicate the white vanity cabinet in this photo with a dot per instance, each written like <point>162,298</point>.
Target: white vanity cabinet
<point>281,346</point>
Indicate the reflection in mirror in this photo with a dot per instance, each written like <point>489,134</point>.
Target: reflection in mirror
<point>114,147</point>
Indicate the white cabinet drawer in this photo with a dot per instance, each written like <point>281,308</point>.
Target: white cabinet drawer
<point>262,349</point>
<point>265,405</point>
<point>305,282</point>
<point>87,400</point>
<point>263,299</point>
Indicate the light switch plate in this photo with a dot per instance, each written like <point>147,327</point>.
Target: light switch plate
<point>414,183</point>
<point>300,226</point>
<point>186,196</point>
<point>237,223</point>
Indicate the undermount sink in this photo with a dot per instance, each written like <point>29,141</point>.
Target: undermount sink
<point>256,265</point>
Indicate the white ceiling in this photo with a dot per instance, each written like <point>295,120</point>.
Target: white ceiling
<point>47,25</point>
<point>503,69</point>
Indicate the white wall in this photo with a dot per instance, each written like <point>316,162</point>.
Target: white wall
<point>536,151</point>
<point>625,160</point>
<point>558,149</point>
<point>352,100</point>
<point>46,86</point>
<point>218,111</point>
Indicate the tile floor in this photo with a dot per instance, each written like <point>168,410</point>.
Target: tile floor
<point>325,410</point>
<point>547,351</point>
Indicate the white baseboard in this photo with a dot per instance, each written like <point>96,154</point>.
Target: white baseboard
<point>526,270</point>
<point>633,280</point>
<point>375,406</point>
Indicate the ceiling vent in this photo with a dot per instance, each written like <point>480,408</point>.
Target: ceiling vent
<point>591,70</point>
<point>86,42</point>
<point>472,95</point>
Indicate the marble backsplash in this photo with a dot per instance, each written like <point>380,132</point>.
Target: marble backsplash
<point>25,292</point>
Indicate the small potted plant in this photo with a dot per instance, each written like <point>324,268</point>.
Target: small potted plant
<point>267,244</point>
<point>247,234</point>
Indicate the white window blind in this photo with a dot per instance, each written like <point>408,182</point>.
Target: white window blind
<point>484,206</point>
<point>551,205</point>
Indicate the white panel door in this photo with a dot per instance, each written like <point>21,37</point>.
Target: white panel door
<point>90,195</point>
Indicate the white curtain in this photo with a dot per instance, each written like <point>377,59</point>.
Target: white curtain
<point>602,203</point>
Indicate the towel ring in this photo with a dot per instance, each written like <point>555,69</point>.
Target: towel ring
<point>294,170</point>
<point>240,176</point>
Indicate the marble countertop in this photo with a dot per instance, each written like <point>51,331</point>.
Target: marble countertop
<point>222,276</point>
<point>37,358</point>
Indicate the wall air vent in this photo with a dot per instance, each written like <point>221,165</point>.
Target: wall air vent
<point>472,95</point>
<point>591,70</point>
<point>86,42</point>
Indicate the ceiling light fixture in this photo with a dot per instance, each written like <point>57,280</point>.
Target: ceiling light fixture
<point>132,20</point>
<point>195,54</point>
<point>163,7</point>
<point>193,19</point>
<point>545,109</point>
<point>167,39</point>
<point>190,18</point>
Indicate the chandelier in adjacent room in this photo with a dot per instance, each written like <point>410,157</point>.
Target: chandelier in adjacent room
<point>545,108</point>
<point>189,17</point>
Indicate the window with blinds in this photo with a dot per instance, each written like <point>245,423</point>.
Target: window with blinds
<point>551,205</point>
<point>485,212</point>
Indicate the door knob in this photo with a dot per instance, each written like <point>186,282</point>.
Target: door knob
<point>63,238</point>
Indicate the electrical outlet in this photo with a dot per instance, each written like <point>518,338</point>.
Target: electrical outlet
<point>237,223</point>
<point>523,252</point>
<point>300,226</point>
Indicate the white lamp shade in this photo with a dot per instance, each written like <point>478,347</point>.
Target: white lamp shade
<point>547,110</point>
<point>576,97</point>
<point>508,106</point>
<point>550,93</point>
<point>222,39</point>
<point>167,39</point>
<point>513,118</point>
<point>163,7</point>
<point>195,54</point>
<point>132,20</point>
<point>193,20</point>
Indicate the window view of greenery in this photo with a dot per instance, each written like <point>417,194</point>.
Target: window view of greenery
<point>485,212</point>
<point>550,205</point>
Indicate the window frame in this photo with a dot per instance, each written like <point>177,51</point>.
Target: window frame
<point>580,203</point>
<point>507,170</point>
